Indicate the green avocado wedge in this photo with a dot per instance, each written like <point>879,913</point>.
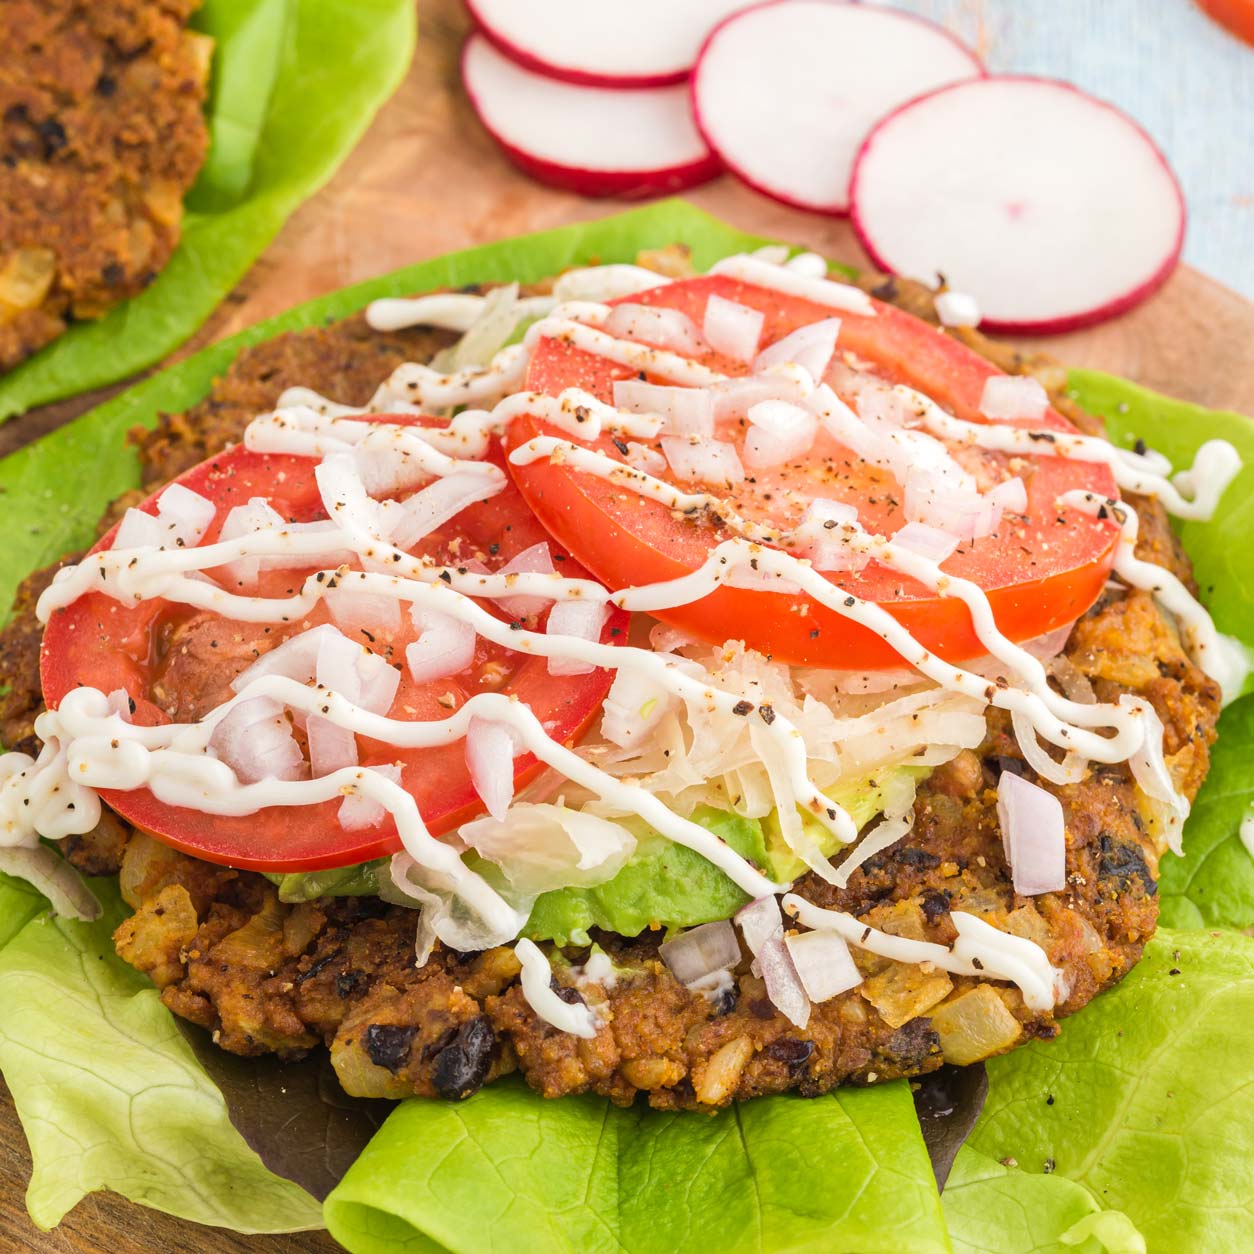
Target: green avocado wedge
<point>1149,1133</point>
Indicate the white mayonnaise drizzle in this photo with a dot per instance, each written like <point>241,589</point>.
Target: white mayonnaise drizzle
<point>536,981</point>
<point>88,746</point>
<point>980,950</point>
<point>451,311</point>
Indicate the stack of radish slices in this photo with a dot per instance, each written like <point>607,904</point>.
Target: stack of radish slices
<point>1050,208</point>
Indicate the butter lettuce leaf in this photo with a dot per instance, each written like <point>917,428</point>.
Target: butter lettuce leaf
<point>294,86</point>
<point>109,1092</point>
<point>1145,1101</point>
<point>504,1171</point>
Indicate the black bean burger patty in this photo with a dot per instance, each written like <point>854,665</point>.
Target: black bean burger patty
<point>102,132</point>
<point>265,976</point>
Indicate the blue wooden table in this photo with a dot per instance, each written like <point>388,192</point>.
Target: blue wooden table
<point>1185,79</point>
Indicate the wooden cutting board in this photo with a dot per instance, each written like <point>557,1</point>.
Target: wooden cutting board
<point>426,180</point>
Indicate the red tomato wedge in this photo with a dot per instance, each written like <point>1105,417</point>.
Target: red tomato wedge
<point>177,662</point>
<point>1040,570</point>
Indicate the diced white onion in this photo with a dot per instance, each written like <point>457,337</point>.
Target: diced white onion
<point>1009,396</point>
<point>296,658</point>
<point>685,411</point>
<point>783,984</point>
<point>581,619</point>
<point>642,457</point>
<point>824,534</point>
<point>760,921</point>
<point>633,707</point>
<point>185,513</point>
<point>255,740</point>
<point>243,520</point>
<point>779,433</point>
<point>490,753</point>
<point>933,499</point>
<point>745,576</point>
<point>731,328</point>
<point>346,667</point>
<point>957,309</point>
<point>707,461</point>
<point>536,560</point>
<point>929,542</point>
<point>120,704</point>
<point>733,398</point>
<point>358,812</point>
<point>1011,495</point>
<point>445,646</point>
<point>1033,834</point>
<point>824,964</point>
<point>331,746</point>
<point>437,503</point>
<point>383,467</point>
<point>701,951</point>
<point>656,325</point>
<point>810,346</point>
<point>353,609</point>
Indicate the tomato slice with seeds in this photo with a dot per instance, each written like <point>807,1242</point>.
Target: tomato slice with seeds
<point>1040,570</point>
<point>177,662</point>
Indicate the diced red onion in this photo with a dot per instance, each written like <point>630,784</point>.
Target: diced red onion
<point>731,328</point>
<point>701,951</point>
<point>783,984</point>
<point>686,411</point>
<point>642,457</point>
<point>490,751</point>
<point>708,461</point>
<point>810,346</point>
<point>1011,495</point>
<point>255,740</point>
<point>760,921</point>
<point>779,432</point>
<point>663,328</point>
<point>929,542</point>
<point>352,609</point>
<point>331,746</point>
<point>445,646</point>
<point>932,499</point>
<point>537,560</point>
<point>439,502</point>
<point>1009,397</point>
<point>824,964</point>
<point>1033,834</point>
<point>581,619</point>
<point>358,812</point>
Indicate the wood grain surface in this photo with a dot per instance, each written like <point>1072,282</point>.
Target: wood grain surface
<point>426,180</point>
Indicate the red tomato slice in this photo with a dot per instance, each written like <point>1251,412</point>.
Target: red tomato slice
<point>1040,570</point>
<point>178,662</point>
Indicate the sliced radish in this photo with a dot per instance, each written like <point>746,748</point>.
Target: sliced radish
<point>596,141</point>
<point>1051,208</point>
<point>651,45</point>
<point>786,92</point>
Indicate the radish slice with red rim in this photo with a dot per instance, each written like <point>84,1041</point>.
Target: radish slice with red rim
<point>652,45</point>
<point>1054,210</point>
<point>596,141</point>
<point>785,92</point>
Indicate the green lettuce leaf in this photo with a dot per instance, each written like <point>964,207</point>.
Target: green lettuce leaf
<point>505,1171</point>
<point>1213,884</point>
<point>1145,1102</point>
<point>1221,548</point>
<point>294,87</point>
<point>111,1095</point>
